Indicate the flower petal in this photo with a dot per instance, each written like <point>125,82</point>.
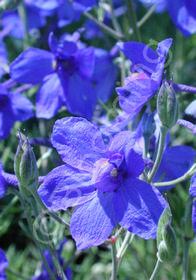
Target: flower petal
<point>78,142</point>
<point>66,187</point>
<point>138,207</point>
<point>93,222</point>
<point>32,66</point>
<point>49,98</point>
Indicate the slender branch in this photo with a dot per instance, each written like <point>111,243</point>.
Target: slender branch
<point>114,262</point>
<point>156,270</point>
<point>133,20</point>
<point>186,247</point>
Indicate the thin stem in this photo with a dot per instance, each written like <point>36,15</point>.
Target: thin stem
<point>23,14</point>
<point>186,248</point>
<point>163,134</point>
<point>7,208</point>
<point>157,268</point>
<point>133,20</point>
<point>105,28</point>
<point>187,175</point>
<point>114,20</point>
<point>126,242</point>
<point>114,262</point>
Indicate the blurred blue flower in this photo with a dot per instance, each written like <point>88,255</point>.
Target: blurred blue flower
<point>43,274</point>
<point>103,179</point>
<point>192,192</point>
<point>71,74</point>
<point>146,74</point>
<point>3,264</point>
<point>182,12</point>
<point>3,58</point>
<point>13,107</point>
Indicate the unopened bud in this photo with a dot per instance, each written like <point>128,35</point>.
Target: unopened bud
<point>167,105</point>
<point>167,249</point>
<point>26,167</point>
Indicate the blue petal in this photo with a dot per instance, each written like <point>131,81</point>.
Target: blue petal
<point>141,56</point>
<point>85,61</point>
<point>120,140</point>
<point>134,162</point>
<point>13,24</point>
<point>32,66</point>
<point>3,186</point>
<point>194,216</point>
<point>78,142</point>
<point>3,57</point>
<point>192,189</point>
<point>80,97</point>
<point>183,15</point>
<point>104,75</point>
<point>176,161</point>
<point>136,93</point>
<point>6,120</point>
<point>66,187</point>
<point>21,106</point>
<point>138,207</point>
<point>3,264</point>
<point>93,222</point>
<point>49,98</point>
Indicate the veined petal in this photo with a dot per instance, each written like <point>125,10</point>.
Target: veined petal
<point>138,207</point>
<point>93,222</point>
<point>194,216</point>
<point>49,98</point>
<point>65,187</point>
<point>78,142</point>
<point>81,97</point>
<point>192,189</point>
<point>32,66</point>
<point>85,61</point>
<point>134,162</point>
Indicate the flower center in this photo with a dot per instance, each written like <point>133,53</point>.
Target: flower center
<point>65,66</point>
<point>4,100</point>
<point>107,176</point>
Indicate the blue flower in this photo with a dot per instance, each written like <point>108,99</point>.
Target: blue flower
<point>3,57</point>
<point>103,180</point>
<point>43,274</point>
<point>146,73</point>
<point>182,12</point>
<point>192,192</point>
<point>13,107</point>
<point>67,75</point>
<point>3,264</point>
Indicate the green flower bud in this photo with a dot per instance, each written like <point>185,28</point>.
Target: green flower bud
<point>167,105</point>
<point>26,167</point>
<point>167,249</point>
<point>186,222</point>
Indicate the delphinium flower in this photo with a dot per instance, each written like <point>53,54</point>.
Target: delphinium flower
<point>192,192</point>
<point>68,75</point>
<point>103,180</point>
<point>69,12</point>
<point>3,58</point>
<point>42,273</point>
<point>146,74</point>
<point>3,264</point>
<point>37,11</point>
<point>182,12</point>
<point>13,107</point>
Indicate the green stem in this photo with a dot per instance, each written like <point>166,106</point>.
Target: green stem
<point>145,17</point>
<point>43,206</point>
<point>23,14</point>
<point>7,208</point>
<point>114,20</point>
<point>126,242</point>
<point>116,35</point>
<point>9,270</point>
<point>163,134</point>
<point>186,247</point>
<point>157,268</point>
<point>133,20</point>
<point>114,262</point>
<point>187,175</point>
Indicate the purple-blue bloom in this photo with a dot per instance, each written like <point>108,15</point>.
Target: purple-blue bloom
<point>13,107</point>
<point>192,192</point>
<point>103,180</point>
<point>3,57</point>
<point>3,264</point>
<point>70,75</point>
<point>146,74</point>
<point>182,12</point>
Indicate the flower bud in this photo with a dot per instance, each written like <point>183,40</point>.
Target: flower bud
<point>167,105</point>
<point>26,167</point>
<point>167,249</point>
<point>186,222</point>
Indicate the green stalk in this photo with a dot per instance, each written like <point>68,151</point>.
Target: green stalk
<point>156,271</point>
<point>133,20</point>
<point>186,248</point>
<point>163,134</point>
<point>114,262</point>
